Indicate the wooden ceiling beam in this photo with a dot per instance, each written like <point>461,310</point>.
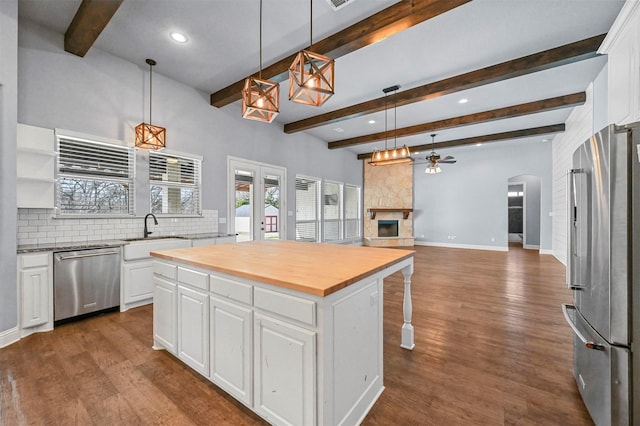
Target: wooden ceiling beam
<point>390,21</point>
<point>562,55</point>
<point>496,137</point>
<point>464,120</point>
<point>90,19</point>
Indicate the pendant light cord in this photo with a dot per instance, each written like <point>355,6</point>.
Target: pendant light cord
<point>385,121</point>
<point>150,91</point>
<point>310,23</point>
<point>395,115</point>
<point>260,72</point>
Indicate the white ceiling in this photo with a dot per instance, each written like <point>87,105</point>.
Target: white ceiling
<point>223,48</point>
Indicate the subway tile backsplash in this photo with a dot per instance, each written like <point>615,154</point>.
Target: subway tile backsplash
<point>39,226</point>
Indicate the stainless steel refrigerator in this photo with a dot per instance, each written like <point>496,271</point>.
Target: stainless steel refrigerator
<point>603,270</point>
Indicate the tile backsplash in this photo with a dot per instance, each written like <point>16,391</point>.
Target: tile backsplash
<point>40,226</point>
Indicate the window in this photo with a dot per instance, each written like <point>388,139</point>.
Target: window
<point>94,177</point>
<point>307,209</point>
<point>175,183</point>
<point>351,212</point>
<point>332,211</point>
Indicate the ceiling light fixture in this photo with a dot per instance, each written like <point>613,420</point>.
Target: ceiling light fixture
<point>178,37</point>
<point>311,75</point>
<point>395,155</point>
<point>372,121</point>
<point>260,98</point>
<point>149,136</point>
<point>463,101</point>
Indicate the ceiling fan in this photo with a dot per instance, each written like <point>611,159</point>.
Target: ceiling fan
<point>434,159</point>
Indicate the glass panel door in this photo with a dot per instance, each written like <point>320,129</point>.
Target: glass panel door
<point>257,194</point>
<point>244,204</point>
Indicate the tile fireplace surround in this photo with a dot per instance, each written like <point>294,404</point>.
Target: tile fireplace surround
<point>388,187</point>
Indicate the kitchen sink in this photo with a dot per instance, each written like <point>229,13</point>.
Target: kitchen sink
<point>139,248</point>
<point>162,237</point>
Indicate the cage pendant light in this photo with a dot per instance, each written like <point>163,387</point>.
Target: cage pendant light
<point>311,75</point>
<point>391,156</point>
<point>260,98</point>
<point>149,136</point>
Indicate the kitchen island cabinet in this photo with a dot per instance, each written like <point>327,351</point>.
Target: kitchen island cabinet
<point>292,330</point>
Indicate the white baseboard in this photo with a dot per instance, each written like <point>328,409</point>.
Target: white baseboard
<point>9,336</point>
<point>460,246</point>
<point>531,247</point>
<point>546,251</point>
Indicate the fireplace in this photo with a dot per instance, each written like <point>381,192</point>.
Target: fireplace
<point>387,228</point>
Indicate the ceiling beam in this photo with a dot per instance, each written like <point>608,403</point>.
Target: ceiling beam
<point>90,19</point>
<point>464,120</point>
<point>496,137</point>
<point>562,55</point>
<point>390,21</point>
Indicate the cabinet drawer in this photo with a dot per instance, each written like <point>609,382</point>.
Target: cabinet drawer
<point>34,260</point>
<point>285,305</point>
<point>231,289</point>
<point>164,269</point>
<point>193,278</point>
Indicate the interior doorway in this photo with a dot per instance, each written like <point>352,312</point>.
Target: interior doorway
<point>523,203</point>
<point>257,200</point>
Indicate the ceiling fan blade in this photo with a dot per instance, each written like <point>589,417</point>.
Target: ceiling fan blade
<point>447,161</point>
<point>447,157</point>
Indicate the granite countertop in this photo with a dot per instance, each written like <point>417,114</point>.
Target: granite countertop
<point>86,245</point>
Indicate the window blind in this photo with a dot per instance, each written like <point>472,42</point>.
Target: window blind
<point>175,184</point>
<point>94,177</point>
<point>351,212</point>
<point>307,209</point>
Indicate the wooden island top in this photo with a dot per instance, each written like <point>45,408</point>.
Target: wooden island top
<point>318,269</point>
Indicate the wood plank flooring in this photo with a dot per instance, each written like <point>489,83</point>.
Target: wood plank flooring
<point>492,348</point>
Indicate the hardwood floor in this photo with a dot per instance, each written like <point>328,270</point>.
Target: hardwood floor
<point>492,348</point>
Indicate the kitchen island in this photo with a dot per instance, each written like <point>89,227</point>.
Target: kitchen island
<point>293,330</point>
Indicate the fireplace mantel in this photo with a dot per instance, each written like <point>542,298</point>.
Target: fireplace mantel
<point>405,212</point>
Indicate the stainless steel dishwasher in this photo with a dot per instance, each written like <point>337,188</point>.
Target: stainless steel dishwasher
<point>85,281</point>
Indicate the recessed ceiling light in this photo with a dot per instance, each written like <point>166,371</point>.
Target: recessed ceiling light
<point>416,153</point>
<point>545,140</point>
<point>339,129</point>
<point>478,144</point>
<point>179,37</point>
<point>463,101</point>
<point>372,121</point>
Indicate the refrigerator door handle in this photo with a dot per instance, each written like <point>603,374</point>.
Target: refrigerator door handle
<point>572,218</point>
<point>588,344</point>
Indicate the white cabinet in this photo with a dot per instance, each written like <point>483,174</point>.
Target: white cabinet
<point>231,348</point>
<point>137,270</point>
<point>35,167</point>
<point>622,45</point>
<point>35,275</point>
<point>284,372</point>
<point>165,315</point>
<point>137,282</point>
<point>193,328</point>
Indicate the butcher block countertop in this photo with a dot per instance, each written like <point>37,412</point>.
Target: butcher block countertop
<point>319,269</point>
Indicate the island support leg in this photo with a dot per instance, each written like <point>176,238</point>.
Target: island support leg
<point>407,309</point>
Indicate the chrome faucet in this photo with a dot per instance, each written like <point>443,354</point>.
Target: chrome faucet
<point>155,221</point>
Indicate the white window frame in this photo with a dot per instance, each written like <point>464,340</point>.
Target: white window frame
<point>196,185</point>
<point>358,218</point>
<point>128,179</point>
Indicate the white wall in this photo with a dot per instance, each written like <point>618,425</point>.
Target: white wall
<point>468,199</point>
<point>8,114</point>
<point>103,95</point>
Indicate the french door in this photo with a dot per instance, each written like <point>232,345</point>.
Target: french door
<point>257,200</point>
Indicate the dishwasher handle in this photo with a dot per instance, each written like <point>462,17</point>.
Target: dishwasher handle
<point>79,256</point>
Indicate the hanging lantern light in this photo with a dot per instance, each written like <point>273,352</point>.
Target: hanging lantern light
<point>311,75</point>
<point>149,136</point>
<point>260,98</point>
<point>396,155</point>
